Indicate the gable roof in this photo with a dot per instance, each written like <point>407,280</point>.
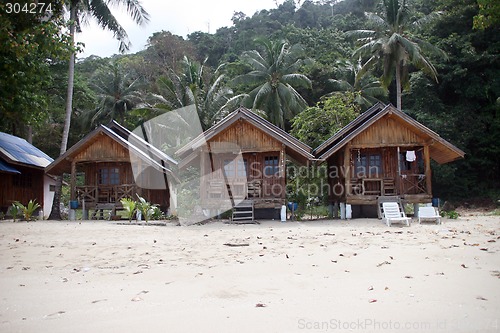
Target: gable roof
<point>136,145</point>
<point>14,150</point>
<point>298,148</point>
<point>441,150</point>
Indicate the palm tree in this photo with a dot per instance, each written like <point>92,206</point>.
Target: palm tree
<point>194,86</point>
<point>273,80</point>
<point>117,93</point>
<point>82,10</point>
<point>366,88</point>
<point>392,43</point>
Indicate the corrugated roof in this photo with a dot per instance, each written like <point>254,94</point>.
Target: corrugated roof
<point>15,150</point>
<point>5,167</point>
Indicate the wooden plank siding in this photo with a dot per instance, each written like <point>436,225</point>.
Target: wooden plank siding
<point>386,132</point>
<point>103,149</point>
<point>385,138</point>
<point>247,137</point>
<point>106,153</point>
<point>255,146</point>
<point>21,187</point>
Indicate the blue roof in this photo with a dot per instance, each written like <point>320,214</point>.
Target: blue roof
<point>7,168</point>
<point>17,150</point>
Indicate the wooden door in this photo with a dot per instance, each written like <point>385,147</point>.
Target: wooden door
<point>272,180</point>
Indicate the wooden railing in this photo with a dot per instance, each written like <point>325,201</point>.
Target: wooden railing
<point>408,184</point>
<point>413,184</point>
<point>105,193</point>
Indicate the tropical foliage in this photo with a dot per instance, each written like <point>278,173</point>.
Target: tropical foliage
<point>274,79</point>
<point>27,210</point>
<point>293,63</point>
<point>392,44</point>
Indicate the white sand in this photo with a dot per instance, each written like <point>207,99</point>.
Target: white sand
<point>309,277</point>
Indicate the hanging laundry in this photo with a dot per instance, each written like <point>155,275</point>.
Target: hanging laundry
<point>411,156</point>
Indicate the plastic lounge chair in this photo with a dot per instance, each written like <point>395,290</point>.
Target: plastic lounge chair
<point>428,213</point>
<point>392,213</point>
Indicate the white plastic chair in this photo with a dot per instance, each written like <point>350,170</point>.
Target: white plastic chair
<point>428,213</point>
<point>392,212</point>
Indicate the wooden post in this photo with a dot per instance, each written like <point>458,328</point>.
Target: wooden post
<point>73,181</point>
<point>428,172</point>
<point>203,175</point>
<point>347,169</point>
<point>282,161</point>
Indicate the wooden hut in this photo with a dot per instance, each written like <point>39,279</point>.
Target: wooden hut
<point>114,164</point>
<point>258,176</point>
<point>22,174</point>
<point>382,153</point>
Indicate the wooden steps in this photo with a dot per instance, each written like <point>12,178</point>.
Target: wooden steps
<point>243,212</point>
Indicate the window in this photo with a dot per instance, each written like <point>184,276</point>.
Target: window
<point>271,165</point>
<point>367,164</point>
<point>235,168</point>
<point>360,165</point>
<point>242,168</point>
<point>229,168</point>
<point>109,176</point>
<point>375,164</point>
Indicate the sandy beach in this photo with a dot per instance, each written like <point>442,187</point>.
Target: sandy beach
<point>321,276</point>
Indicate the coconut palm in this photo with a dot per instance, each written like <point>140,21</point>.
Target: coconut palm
<point>79,12</point>
<point>367,89</point>
<point>82,11</point>
<point>117,92</point>
<point>273,80</point>
<point>392,43</point>
<point>194,86</point>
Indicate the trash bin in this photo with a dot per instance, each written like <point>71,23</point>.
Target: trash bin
<point>435,202</point>
<point>73,204</point>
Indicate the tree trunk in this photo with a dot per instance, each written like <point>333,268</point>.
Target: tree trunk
<point>398,86</point>
<point>55,212</point>
<point>71,76</point>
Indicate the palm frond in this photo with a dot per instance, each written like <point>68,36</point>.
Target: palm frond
<point>297,80</point>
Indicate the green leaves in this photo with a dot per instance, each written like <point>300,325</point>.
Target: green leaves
<point>316,124</point>
<point>27,210</point>
<point>274,80</point>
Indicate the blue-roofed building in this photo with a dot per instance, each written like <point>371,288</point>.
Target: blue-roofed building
<point>22,174</point>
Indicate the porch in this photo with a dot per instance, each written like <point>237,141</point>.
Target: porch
<point>92,195</point>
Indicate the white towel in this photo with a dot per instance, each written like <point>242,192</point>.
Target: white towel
<point>410,156</point>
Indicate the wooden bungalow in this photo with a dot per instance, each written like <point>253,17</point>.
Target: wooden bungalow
<point>258,176</point>
<point>22,174</point>
<point>383,152</point>
<point>114,164</point>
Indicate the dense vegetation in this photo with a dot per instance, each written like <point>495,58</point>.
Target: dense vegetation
<point>292,62</point>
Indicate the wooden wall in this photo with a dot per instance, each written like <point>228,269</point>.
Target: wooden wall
<point>247,137</point>
<point>103,149</point>
<point>387,132</point>
<point>255,146</point>
<point>23,188</point>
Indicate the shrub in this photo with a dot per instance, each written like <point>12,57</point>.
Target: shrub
<point>130,207</point>
<point>28,210</point>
